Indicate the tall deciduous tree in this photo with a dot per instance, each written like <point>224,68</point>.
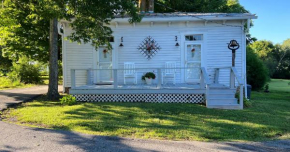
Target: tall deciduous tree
<point>35,22</point>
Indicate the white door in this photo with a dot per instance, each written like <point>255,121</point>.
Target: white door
<point>104,64</point>
<point>192,62</point>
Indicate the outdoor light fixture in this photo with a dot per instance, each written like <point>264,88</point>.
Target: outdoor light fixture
<point>176,41</point>
<point>121,44</point>
<point>233,45</point>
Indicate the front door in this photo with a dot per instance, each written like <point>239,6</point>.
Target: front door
<point>192,62</point>
<point>104,64</point>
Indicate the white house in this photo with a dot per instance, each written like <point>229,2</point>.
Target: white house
<point>187,52</point>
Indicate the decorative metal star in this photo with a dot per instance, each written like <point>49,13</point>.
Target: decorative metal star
<point>149,47</point>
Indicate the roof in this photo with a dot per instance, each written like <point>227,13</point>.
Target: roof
<point>179,16</point>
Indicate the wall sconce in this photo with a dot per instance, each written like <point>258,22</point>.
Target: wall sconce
<point>176,41</point>
<point>121,44</point>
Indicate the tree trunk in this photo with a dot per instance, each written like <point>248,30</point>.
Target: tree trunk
<point>53,61</point>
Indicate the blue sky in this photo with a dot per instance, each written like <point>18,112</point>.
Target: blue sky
<point>273,21</point>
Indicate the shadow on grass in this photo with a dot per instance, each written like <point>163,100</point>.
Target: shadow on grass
<point>266,119</point>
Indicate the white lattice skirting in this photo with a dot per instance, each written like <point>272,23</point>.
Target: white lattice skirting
<point>160,98</point>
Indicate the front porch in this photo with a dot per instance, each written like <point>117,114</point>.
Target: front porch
<point>213,93</point>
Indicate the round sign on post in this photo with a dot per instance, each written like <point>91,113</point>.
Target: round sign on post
<point>233,45</point>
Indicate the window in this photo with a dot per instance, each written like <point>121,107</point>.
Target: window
<point>196,37</point>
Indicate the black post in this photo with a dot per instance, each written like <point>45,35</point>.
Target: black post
<point>233,45</point>
<point>233,57</point>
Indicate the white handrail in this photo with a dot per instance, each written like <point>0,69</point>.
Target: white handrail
<point>205,75</point>
<point>236,75</point>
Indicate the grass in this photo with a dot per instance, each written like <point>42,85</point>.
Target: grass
<point>279,85</point>
<point>6,83</point>
<point>267,118</point>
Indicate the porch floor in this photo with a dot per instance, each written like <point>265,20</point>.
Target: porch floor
<point>182,86</point>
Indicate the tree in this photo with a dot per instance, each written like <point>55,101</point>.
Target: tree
<point>263,48</point>
<point>201,6</point>
<point>36,22</point>
<point>257,74</point>
<point>282,57</point>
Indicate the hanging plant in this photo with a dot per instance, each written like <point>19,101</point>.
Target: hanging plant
<point>192,52</point>
<point>105,51</point>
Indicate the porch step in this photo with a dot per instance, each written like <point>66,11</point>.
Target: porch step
<point>222,98</point>
<point>221,101</point>
<point>225,106</point>
<point>221,91</point>
<point>222,95</point>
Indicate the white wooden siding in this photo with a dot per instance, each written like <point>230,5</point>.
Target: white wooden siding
<point>215,51</point>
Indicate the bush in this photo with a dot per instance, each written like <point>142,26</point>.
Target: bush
<point>5,82</point>
<point>257,73</point>
<point>27,71</point>
<point>68,100</point>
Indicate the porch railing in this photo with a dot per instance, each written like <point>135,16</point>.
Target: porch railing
<point>115,77</point>
<point>234,77</point>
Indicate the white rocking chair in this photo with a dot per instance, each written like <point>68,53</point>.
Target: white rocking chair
<point>169,73</point>
<point>130,72</point>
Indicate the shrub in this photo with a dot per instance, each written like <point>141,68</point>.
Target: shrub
<point>5,82</point>
<point>257,73</point>
<point>68,100</point>
<point>27,71</point>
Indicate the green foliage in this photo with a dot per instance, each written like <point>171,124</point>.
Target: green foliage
<point>257,74</point>
<point>68,100</point>
<point>247,103</point>
<point>5,82</point>
<point>262,48</point>
<point>282,57</point>
<point>275,57</point>
<point>26,70</point>
<point>202,6</point>
<point>5,63</point>
<point>149,75</point>
<point>27,22</point>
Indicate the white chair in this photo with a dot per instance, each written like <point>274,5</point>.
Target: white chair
<point>169,73</point>
<point>130,72</point>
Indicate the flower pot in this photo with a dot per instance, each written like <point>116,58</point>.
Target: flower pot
<point>148,80</point>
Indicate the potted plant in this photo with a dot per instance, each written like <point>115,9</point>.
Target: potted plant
<point>148,77</point>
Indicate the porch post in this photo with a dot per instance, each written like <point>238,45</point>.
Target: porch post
<point>202,84</point>
<point>159,78</point>
<point>232,79</point>
<point>115,73</point>
<point>89,74</point>
<point>216,76</point>
<point>241,96</point>
<point>73,78</point>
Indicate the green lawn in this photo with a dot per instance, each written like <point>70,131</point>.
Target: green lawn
<point>267,118</point>
<point>279,85</point>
